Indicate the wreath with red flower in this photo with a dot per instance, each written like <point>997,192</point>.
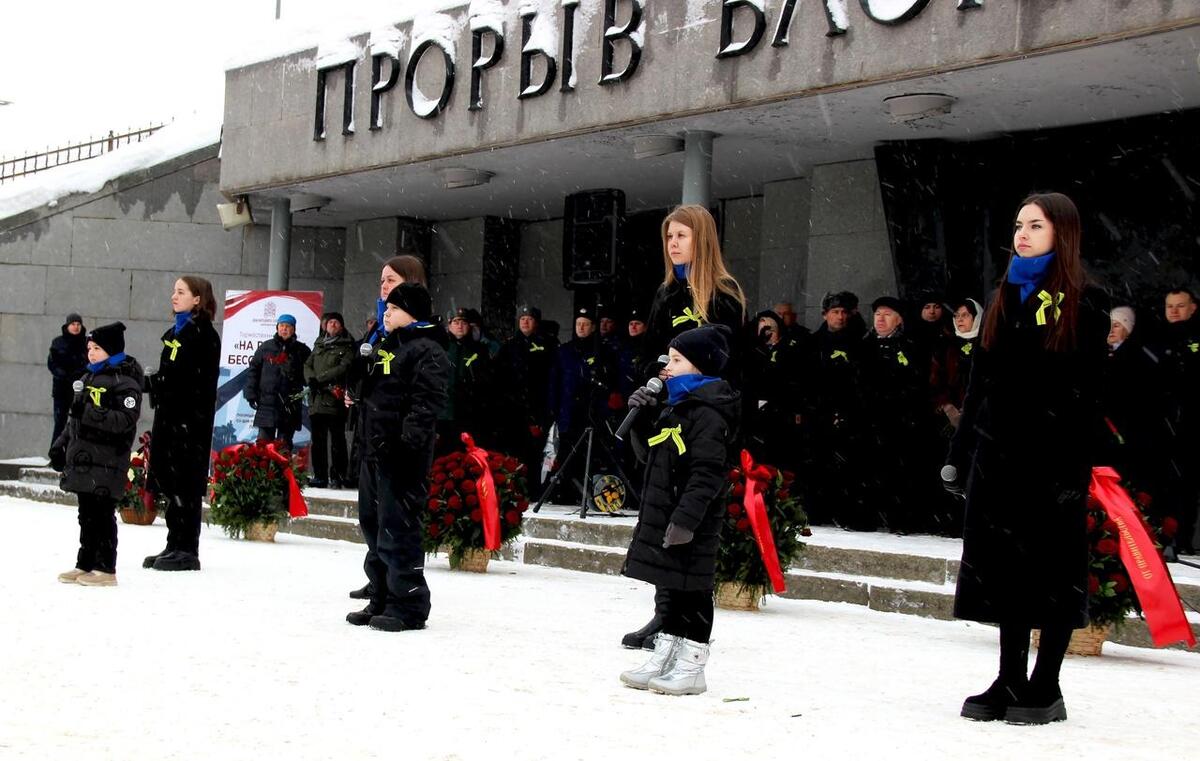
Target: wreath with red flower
<point>137,497</point>
<point>1111,597</point>
<point>739,560</point>
<point>454,518</point>
<point>249,486</point>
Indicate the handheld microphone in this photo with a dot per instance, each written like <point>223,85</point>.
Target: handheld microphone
<point>949,474</point>
<point>654,385</point>
<point>365,350</point>
<point>77,387</point>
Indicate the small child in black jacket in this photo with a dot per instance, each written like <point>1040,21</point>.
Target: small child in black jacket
<point>403,393</point>
<point>92,452</point>
<point>678,532</point>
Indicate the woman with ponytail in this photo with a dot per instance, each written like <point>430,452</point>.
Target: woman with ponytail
<point>1023,452</point>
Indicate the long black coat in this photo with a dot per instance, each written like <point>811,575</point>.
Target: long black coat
<point>583,377</point>
<point>673,311</point>
<point>1135,405</point>
<point>67,362</point>
<point>685,485</point>
<point>183,393</point>
<point>403,392</point>
<point>523,369</point>
<point>469,402</point>
<point>95,444</point>
<point>275,378</point>
<point>1026,437</point>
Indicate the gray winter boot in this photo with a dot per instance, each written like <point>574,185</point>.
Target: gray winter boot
<point>686,675</point>
<point>660,662</point>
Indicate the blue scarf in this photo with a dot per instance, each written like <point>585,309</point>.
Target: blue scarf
<point>680,386</point>
<point>380,331</point>
<point>681,271</point>
<point>1029,272</point>
<point>113,361</point>
<point>182,319</point>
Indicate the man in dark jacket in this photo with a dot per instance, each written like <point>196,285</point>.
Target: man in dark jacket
<point>403,393</point>
<point>1179,356</point>
<point>66,362</point>
<point>775,392</point>
<point>275,383</point>
<point>469,390</point>
<point>522,371</point>
<point>92,453</point>
<point>326,371</point>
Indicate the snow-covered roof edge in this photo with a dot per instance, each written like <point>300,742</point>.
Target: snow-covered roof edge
<point>50,187</point>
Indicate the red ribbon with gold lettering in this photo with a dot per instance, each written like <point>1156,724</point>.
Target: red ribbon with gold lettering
<point>757,478</point>
<point>1155,590</point>
<point>485,489</point>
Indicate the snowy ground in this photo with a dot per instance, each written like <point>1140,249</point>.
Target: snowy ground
<point>251,659</point>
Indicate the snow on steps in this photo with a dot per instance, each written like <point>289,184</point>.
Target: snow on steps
<point>910,575</point>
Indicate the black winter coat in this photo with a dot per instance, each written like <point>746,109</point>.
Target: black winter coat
<point>673,312</point>
<point>94,447</point>
<point>67,362</point>
<point>685,484</point>
<point>894,375</point>
<point>584,376</point>
<point>523,369</point>
<point>837,400</point>
<point>403,392</point>
<point>326,370</point>
<point>1136,410</point>
<point>183,393</point>
<point>1026,440</point>
<point>274,382</point>
<point>950,371</point>
<point>469,387</point>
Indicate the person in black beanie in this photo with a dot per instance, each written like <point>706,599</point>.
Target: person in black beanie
<point>690,448</point>
<point>183,393</point>
<point>67,361</point>
<point>403,392</point>
<point>92,452</point>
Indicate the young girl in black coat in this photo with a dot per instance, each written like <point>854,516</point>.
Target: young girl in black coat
<point>691,447</point>
<point>92,452</point>
<point>1024,446</point>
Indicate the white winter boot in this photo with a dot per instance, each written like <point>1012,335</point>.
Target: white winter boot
<point>686,674</point>
<point>660,662</point>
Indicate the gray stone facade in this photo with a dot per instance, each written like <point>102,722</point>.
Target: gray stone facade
<point>115,255</point>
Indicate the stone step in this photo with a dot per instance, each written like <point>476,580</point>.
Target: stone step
<point>39,476</point>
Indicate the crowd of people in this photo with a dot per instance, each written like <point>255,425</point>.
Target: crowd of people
<point>888,424</point>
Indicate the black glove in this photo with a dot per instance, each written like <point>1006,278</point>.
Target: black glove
<point>76,407</point>
<point>951,482</point>
<point>58,458</point>
<point>643,397</point>
<point>676,535</point>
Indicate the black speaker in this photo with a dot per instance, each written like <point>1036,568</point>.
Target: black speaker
<point>592,225</point>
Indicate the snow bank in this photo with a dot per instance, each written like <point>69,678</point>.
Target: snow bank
<point>50,185</point>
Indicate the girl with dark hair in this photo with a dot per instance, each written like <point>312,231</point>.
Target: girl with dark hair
<point>183,393</point>
<point>1024,447</point>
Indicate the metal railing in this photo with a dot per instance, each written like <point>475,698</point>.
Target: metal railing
<point>10,169</point>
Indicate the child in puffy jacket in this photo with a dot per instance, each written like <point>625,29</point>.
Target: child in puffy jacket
<point>92,452</point>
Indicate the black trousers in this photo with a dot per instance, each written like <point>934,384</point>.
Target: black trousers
<point>183,524</point>
<point>97,534</point>
<point>329,433</point>
<point>390,501</point>
<point>685,614</point>
<point>278,433</point>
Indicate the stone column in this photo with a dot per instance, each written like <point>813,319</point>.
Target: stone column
<point>281,244</point>
<point>697,168</point>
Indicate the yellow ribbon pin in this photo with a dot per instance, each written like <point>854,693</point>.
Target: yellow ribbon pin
<point>967,348</point>
<point>669,433</point>
<point>471,359</point>
<point>173,345</point>
<point>840,354</point>
<point>95,393</point>
<point>773,356</point>
<point>903,360</point>
<point>535,347</point>
<point>590,360</point>
<point>1047,302</point>
<point>687,316</point>
<point>1194,347</point>
<point>386,358</point>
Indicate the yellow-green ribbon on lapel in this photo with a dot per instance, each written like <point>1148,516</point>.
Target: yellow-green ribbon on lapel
<point>1194,347</point>
<point>967,348</point>
<point>535,347</point>
<point>669,433</point>
<point>687,316</point>
<point>903,360</point>
<point>1047,302</point>
<point>173,345</point>
<point>471,359</point>
<point>95,392</point>
<point>839,353</point>
<point>386,361</point>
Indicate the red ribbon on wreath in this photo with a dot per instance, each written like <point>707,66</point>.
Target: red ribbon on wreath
<point>143,491</point>
<point>297,507</point>
<point>485,488</point>
<point>757,478</point>
<point>1155,590</point>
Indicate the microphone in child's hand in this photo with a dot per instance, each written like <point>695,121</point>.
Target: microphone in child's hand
<point>654,386</point>
<point>365,350</point>
<point>950,481</point>
<point>77,386</point>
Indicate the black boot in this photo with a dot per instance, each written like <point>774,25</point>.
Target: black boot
<point>364,616</point>
<point>177,560</point>
<point>643,639</point>
<point>394,624</point>
<point>1038,705</point>
<point>364,593</point>
<point>993,703</point>
<point>151,559</point>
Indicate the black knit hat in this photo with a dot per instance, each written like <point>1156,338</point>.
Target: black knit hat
<point>412,298</point>
<point>109,337</point>
<point>706,347</point>
<point>73,317</point>
<point>530,311</point>
<point>332,316</point>
<point>891,302</point>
